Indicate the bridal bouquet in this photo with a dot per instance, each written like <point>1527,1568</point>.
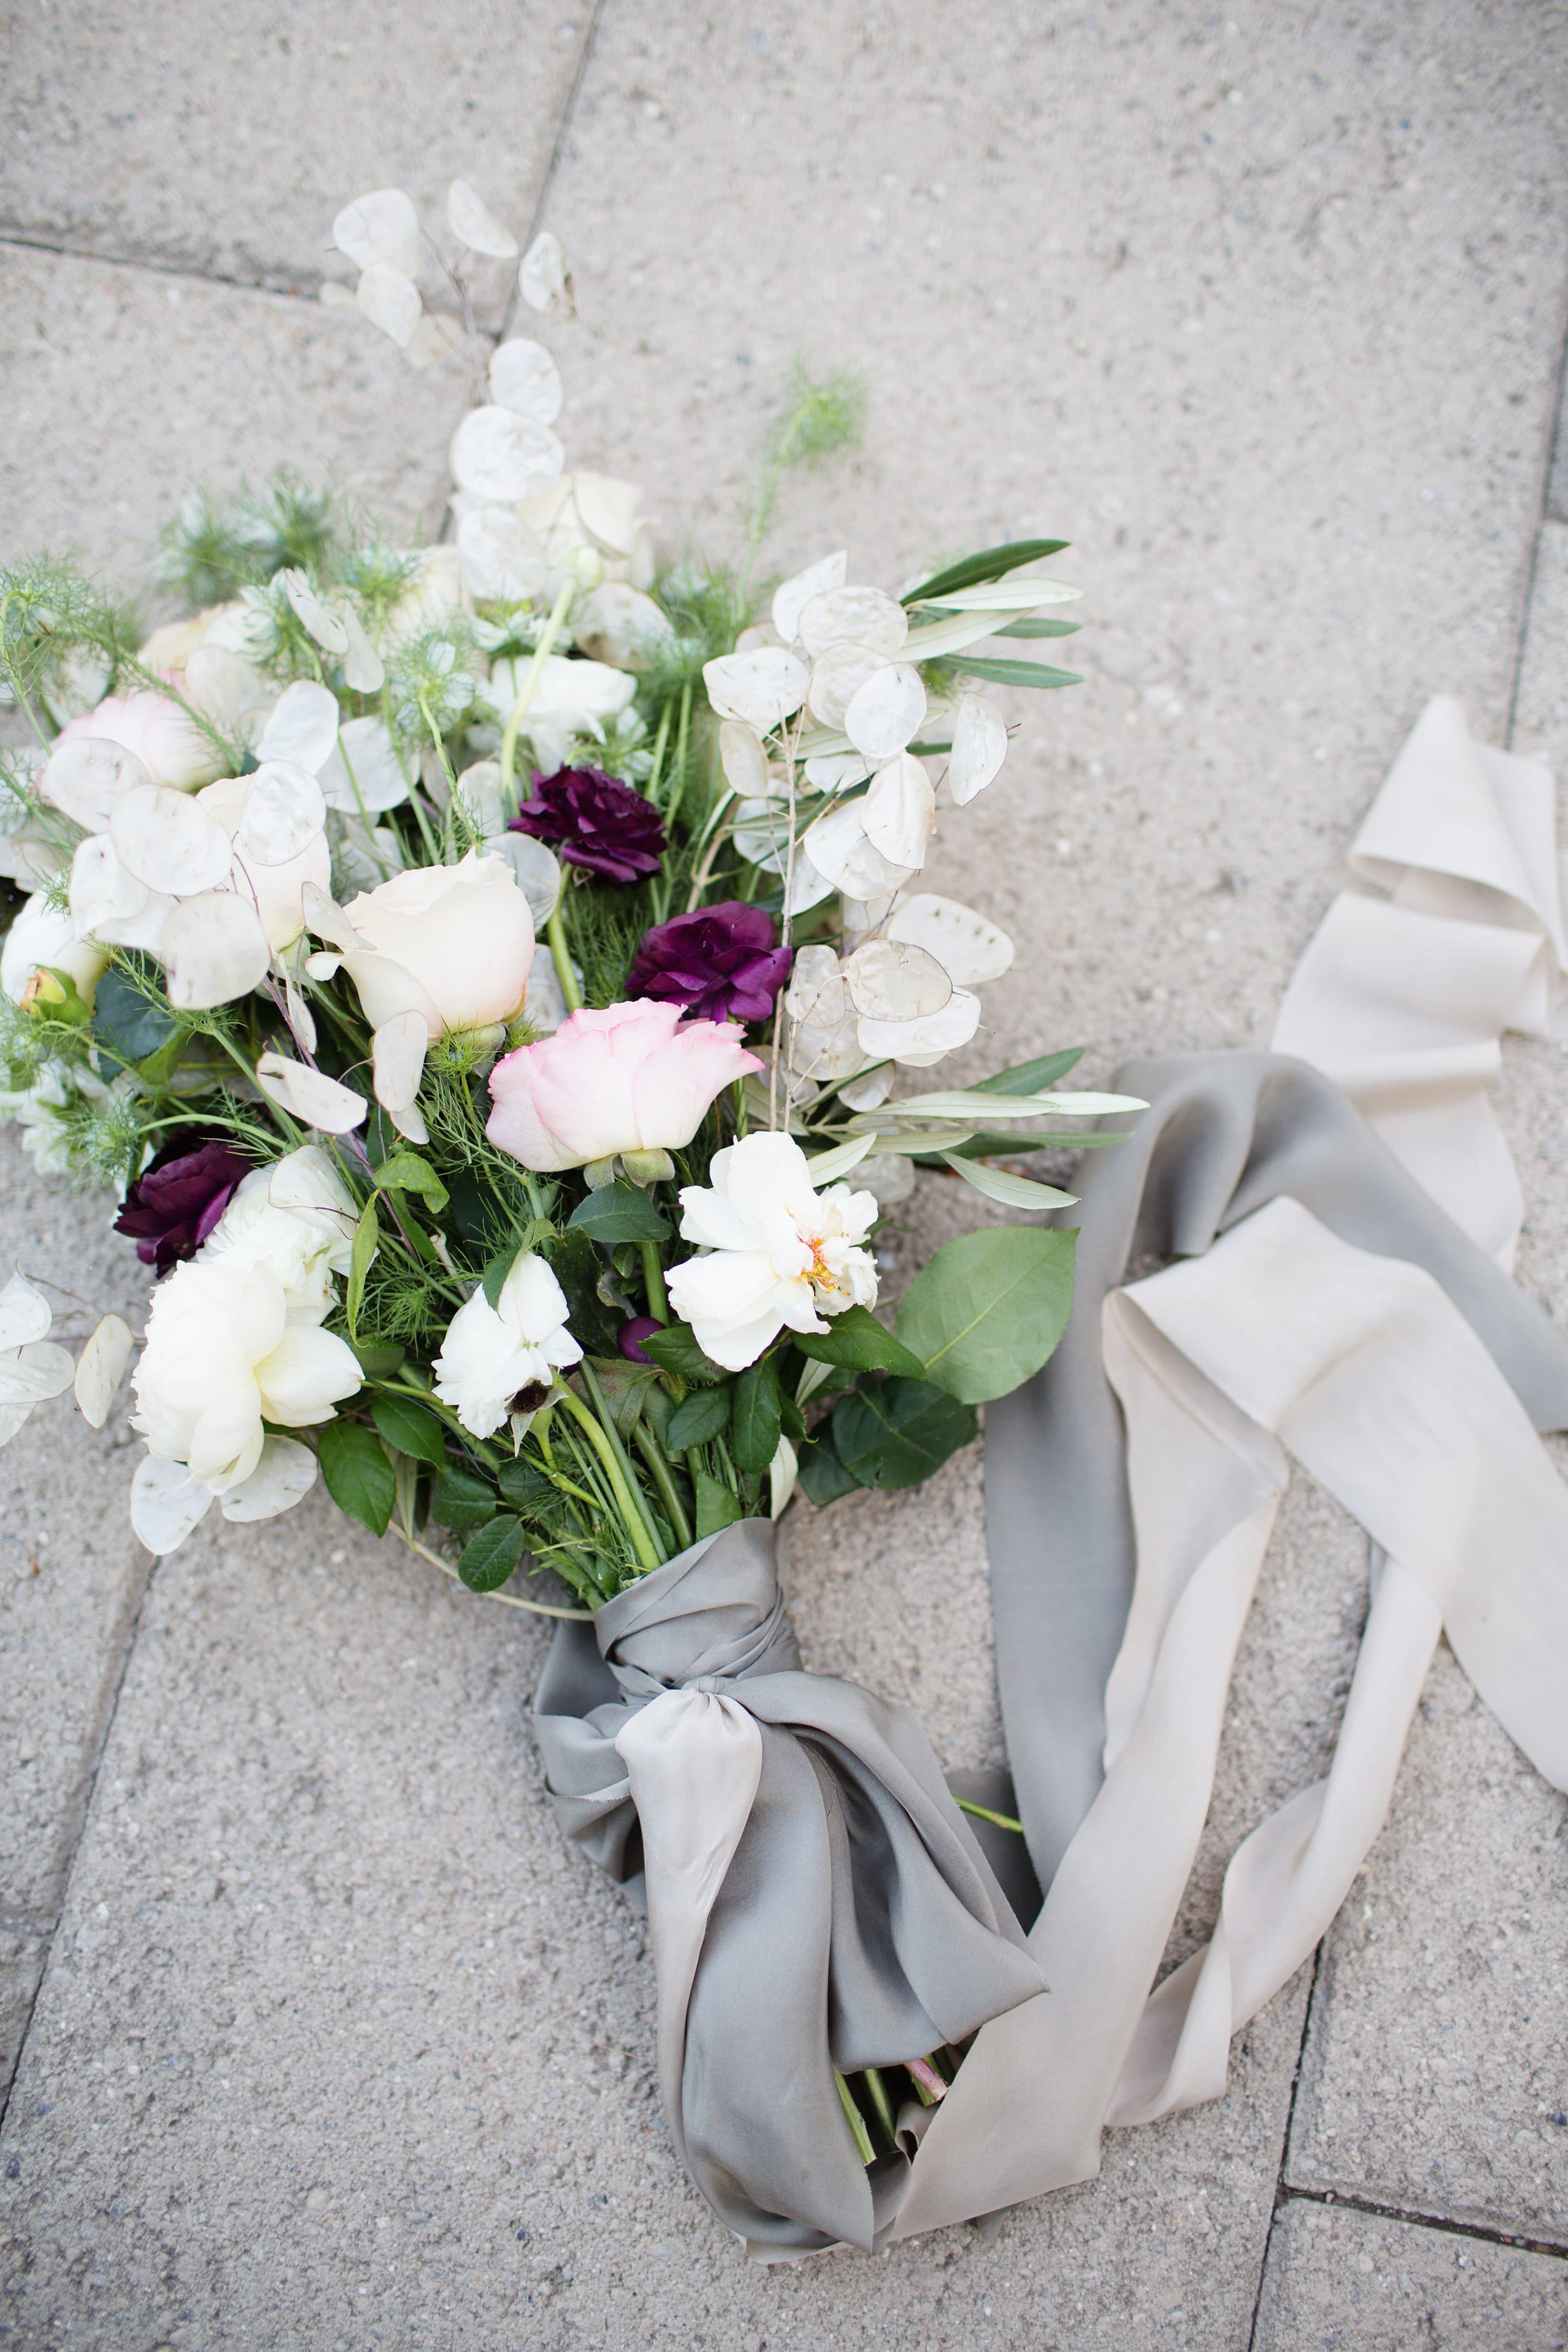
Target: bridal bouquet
<point>498,979</point>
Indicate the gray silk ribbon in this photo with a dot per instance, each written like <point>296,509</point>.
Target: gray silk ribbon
<point>1225,1133</point>
<point>816,1899</point>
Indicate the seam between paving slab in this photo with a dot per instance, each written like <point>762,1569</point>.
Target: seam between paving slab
<point>1412,2214</point>
<point>47,1926</point>
<point>289,284</point>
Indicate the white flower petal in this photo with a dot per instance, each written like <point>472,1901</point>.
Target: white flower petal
<point>525,376</point>
<point>899,810</point>
<point>742,759</point>
<point>782,1472</point>
<point>25,1313</point>
<point>100,1368</point>
<point>889,981</point>
<point>473,224</point>
<point>970,948</point>
<point>762,687</point>
<point>838,846</point>
<point>791,599</point>
<point>363,668</point>
<point>164,840</point>
<point>836,676</point>
<point>886,711</point>
<point>916,1044</point>
<point>538,873</point>
<point>862,616</point>
<point>314,616</point>
<point>284,811</point>
<point>435,336</point>
<point>617,624</point>
<point>213,950</point>
<point>310,1095</point>
<point>32,1374</point>
<point>398,1051</point>
<point>166,1504</point>
<point>382,227</point>
<point>979,747</point>
<point>497,454</point>
<point>365,759</point>
<point>807,886</point>
<point>866,1093</point>
<point>284,1477</point>
<point>87,779</point>
<point>110,905</point>
<point>389,300</point>
<point>303,726</point>
<point>545,282</point>
<point>502,558</point>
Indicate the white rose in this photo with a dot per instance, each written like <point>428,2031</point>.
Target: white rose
<point>497,1361</point>
<point>452,942</point>
<point>780,1252</point>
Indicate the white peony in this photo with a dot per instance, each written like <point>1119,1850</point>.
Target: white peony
<point>779,1252</point>
<point>234,1336</point>
<point>228,1346</point>
<point>498,1362</point>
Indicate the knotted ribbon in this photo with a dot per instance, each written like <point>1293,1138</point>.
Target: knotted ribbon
<point>816,1900</point>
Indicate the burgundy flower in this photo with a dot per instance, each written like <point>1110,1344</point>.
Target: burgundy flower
<point>594,821</point>
<point>177,1199</point>
<point>630,1337</point>
<point>724,961</point>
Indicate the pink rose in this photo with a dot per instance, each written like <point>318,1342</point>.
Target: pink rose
<point>171,749</point>
<point>632,1077</point>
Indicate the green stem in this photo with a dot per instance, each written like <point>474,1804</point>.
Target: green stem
<point>653,1282</point>
<point>647,1447</point>
<point>985,1813</point>
<point>555,934</point>
<point>857,2121</point>
<point>656,772</point>
<point>872,2078</point>
<point>553,629</point>
<point>637,1525</point>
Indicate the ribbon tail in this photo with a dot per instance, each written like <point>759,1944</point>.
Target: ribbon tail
<point>694,1760</point>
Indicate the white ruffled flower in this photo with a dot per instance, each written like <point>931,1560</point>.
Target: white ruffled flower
<point>233,1339</point>
<point>781,1253</point>
<point>498,1362</point>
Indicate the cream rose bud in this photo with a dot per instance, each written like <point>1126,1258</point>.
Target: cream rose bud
<point>780,1252</point>
<point>225,1353</point>
<point>170,746</point>
<point>452,942</point>
<point>42,939</point>
<point>498,1362</point>
<point>622,1077</point>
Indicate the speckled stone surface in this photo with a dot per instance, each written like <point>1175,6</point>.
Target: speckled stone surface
<point>337,2044</point>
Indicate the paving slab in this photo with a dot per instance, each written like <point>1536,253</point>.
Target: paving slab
<point>124,388</point>
<point>1224,307</point>
<point>70,1579</point>
<point>1360,2283</point>
<point>339,2044</point>
<point>223,141</point>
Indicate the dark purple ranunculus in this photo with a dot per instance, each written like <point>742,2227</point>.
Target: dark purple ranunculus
<point>630,1337</point>
<point>595,821</point>
<point>724,961</point>
<point>179,1197</point>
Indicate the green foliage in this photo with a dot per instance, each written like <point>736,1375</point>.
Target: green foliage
<point>715,1505</point>
<point>823,1477</point>
<point>1031,1077</point>
<point>212,551</point>
<point>1012,673</point>
<point>989,1308</point>
<point>62,640</point>
<point>675,1350</point>
<point>131,1020</point>
<point>410,1428</point>
<point>358,1473</point>
<point>619,1213</point>
<point>460,1502</point>
<point>894,1432</point>
<point>490,1558</point>
<point>820,418</point>
<point>990,564</point>
<point>405,1171</point>
<point>704,1414</point>
<point>856,1340</point>
<point>756,1415</point>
